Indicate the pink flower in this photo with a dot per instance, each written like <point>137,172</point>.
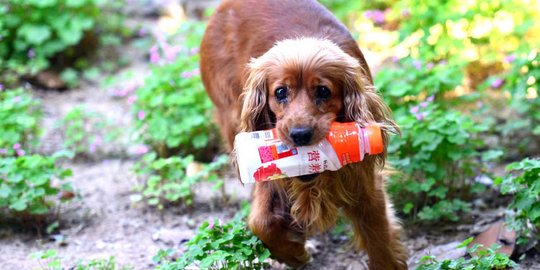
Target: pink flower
<point>421,116</point>
<point>142,32</point>
<point>140,149</point>
<point>430,98</point>
<point>395,59</point>
<point>20,152</point>
<point>31,53</point>
<point>377,16</point>
<point>98,140</point>
<point>171,52</point>
<point>131,99</point>
<point>3,151</point>
<point>417,64</point>
<point>415,109</point>
<point>424,104</point>
<point>406,12</point>
<point>510,58</point>
<point>17,146</point>
<point>194,50</point>
<point>497,83</point>
<point>154,55</point>
<point>429,65</point>
<point>92,148</point>
<point>141,115</point>
<point>16,99</point>
<point>1,87</point>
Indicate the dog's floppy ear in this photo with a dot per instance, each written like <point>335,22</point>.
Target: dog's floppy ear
<point>361,102</point>
<point>255,112</point>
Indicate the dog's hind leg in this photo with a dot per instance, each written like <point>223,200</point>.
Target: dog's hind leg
<point>377,230</point>
<point>270,220</point>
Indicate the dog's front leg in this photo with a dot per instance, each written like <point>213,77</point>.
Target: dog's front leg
<point>270,220</point>
<point>376,230</point>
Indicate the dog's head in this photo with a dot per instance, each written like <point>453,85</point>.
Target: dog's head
<point>300,86</point>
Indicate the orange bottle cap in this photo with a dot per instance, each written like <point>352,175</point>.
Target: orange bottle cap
<point>376,145</point>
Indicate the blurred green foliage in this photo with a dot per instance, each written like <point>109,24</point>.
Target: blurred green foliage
<point>85,132</point>
<point>51,260</point>
<point>21,115</point>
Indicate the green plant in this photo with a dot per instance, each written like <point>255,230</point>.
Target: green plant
<point>85,131</point>
<point>436,157</point>
<point>219,246</point>
<point>50,260</point>
<point>412,80</point>
<point>464,31</point>
<point>172,111</point>
<point>523,84</point>
<point>166,179</point>
<point>523,181</point>
<point>20,114</point>
<point>30,39</point>
<point>482,259</point>
<point>32,184</point>
<point>56,34</point>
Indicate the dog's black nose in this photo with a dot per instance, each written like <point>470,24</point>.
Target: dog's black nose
<point>301,136</point>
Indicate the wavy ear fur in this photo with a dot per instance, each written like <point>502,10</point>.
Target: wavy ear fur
<point>364,105</point>
<point>255,112</point>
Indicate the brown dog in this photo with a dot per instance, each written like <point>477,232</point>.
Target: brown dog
<point>290,64</point>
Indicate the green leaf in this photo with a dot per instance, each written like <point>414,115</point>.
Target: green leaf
<point>35,34</point>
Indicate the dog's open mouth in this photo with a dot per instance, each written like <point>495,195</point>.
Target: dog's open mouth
<point>308,177</point>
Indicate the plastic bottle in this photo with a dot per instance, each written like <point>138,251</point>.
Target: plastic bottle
<point>261,156</point>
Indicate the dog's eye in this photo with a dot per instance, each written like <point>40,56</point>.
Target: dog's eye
<point>323,93</point>
<point>281,94</point>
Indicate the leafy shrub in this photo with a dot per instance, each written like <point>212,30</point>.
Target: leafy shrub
<point>29,39</point>
<point>20,114</point>
<point>166,179</point>
<point>27,183</point>
<point>525,186</point>
<point>523,84</point>
<point>220,246</point>
<point>436,158</point>
<point>412,79</point>
<point>482,259</point>
<point>85,131</point>
<point>172,111</point>
<point>50,260</point>
<point>59,32</point>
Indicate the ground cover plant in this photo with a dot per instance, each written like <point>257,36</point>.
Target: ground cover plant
<point>58,34</point>
<point>30,184</point>
<point>172,110</point>
<point>51,260</point>
<point>523,181</point>
<point>86,132</point>
<point>220,245</point>
<point>482,259</point>
<point>21,115</point>
<point>165,180</point>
